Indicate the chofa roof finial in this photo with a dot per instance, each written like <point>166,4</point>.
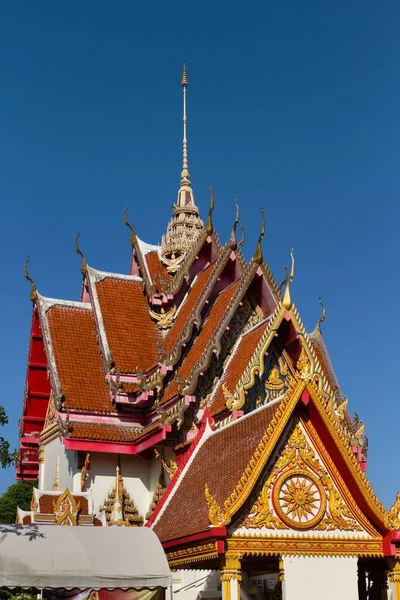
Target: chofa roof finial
<point>233,240</point>
<point>33,294</point>
<point>258,255</point>
<point>80,253</point>
<point>127,224</point>
<point>209,224</point>
<point>323,314</point>
<point>287,301</point>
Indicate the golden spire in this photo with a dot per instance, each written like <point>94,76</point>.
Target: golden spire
<point>185,226</point>
<point>184,82</point>
<point>117,485</point>
<point>232,240</point>
<point>209,224</point>
<point>258,256</point>
<point>287,301</point>
<point>80,253</point>
<point>117,516</point>
<point>56,484</point>
<point>33,294</point>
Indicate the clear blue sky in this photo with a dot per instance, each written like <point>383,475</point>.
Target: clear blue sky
<point>293,106</point>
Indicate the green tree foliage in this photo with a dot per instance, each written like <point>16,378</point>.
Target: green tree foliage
<point>7,458</point>
<point>19,494</point>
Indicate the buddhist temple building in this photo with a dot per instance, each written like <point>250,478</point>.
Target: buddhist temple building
<point>187,396</point>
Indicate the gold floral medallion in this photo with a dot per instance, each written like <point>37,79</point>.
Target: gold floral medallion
<point>299,499</point>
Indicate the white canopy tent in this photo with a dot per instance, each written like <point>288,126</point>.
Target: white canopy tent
<point>34,556</point>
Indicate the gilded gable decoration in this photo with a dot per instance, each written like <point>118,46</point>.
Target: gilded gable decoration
<point>273,383</point>
<point>120,498</point>
<point>163,319</point>
<point>392,520</point>
<point>299,493</point>
<point>66,509</point>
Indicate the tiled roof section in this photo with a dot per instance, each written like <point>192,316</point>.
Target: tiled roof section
<point>103,432</point>
<point>131,334</point>
<point>47,501</point>
<point>211,322</point>
<point>156,269</point>
<point>232,447</point>
<point>236,366</point>
<point>187,307</point>
<point>77,358</point>
<point>27,520</point>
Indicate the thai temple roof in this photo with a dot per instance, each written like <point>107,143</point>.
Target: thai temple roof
<point>195,348</point>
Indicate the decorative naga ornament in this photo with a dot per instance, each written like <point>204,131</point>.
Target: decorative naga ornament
<point>163,319</point>
<point>392,520</point>
<point>185,225</point>
<point>299,493</point>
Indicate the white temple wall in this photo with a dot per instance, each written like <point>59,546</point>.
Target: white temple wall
<point>138,475</point>
<point>55,450</point>
<point>313,578</point>
<point>193,585</point>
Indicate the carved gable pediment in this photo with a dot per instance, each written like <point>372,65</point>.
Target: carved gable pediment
<point>302,491</point>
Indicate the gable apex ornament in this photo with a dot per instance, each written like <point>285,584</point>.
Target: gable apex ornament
<point>33,294</point>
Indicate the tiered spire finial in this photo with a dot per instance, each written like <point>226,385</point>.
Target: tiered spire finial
<point>185,225</point>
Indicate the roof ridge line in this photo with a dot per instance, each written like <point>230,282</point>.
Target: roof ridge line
<point>195,315</point>
<point>233,354</point>
<point>100,275</point>
<point>214,343</point>
<point>50,302</point>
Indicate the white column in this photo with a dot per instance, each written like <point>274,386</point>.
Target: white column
<point>231,576</point>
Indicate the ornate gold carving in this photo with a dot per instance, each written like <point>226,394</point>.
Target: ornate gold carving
<point>342,408</point>
<point>305,546</point>
<point>392,519</point>
<point>66,509</point>
<point>303,494</point>
<point>347,454</point>
<point>192,554</point>
<point>163,319</point>
<point>216,515</point>
<point>287,301</point>
<point>304,365</point>
<point>274,381</point>
<point>232,567</point>
<point>299,499</point>
<point>173,264</point>
<point>170,467</point>
<point>129,511</point>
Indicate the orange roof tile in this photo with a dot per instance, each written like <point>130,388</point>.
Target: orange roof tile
<point>77,357</point>
<point>187,307</point>
<point>156,268</point>
<point>131,334</point>
<point>187,511</point>
<point>236,366</point>
<point>103,432</point>
<point>210,325</point>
